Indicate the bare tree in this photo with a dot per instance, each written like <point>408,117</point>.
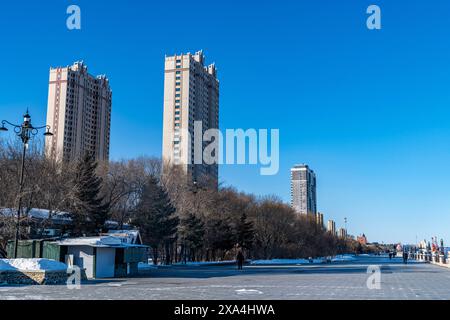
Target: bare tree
<point>124,181</point>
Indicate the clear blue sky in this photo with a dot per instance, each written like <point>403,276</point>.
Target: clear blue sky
<point>369,111</point>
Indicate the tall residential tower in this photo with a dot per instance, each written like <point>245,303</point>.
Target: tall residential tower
<point>303,190</point>
<point>331,228</point>
<point>191,94</point>
<point>79,113</point>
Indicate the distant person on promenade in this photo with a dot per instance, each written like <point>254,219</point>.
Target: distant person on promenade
<point>390,255</point>
<point>405,257</point>
<point>240,260</point>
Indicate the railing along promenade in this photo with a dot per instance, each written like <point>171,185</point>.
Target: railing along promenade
<point>434,258</point>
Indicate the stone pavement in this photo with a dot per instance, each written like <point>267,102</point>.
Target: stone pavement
<point>341,280</point>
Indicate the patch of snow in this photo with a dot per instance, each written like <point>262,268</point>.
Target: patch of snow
<point>110,240</point>
<point>146,266</point>
<point>87,241</point>
<point>33,264</point>
<point>285,261</point>
<point>341,258</point>
<point>150,264</point>
<point>128,236</point>
<point>209,263</point>
<point>99,241</point>
<point>303,261</point>
<point>248,291</point>
<point>38,214</point>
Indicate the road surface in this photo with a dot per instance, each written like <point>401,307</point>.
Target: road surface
<point>340,280</point>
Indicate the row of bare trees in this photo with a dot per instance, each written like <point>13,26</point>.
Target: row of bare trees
<point>181,219</point>
<point>264,227</point>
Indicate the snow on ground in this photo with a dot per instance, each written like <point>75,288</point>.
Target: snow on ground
<point>210,263</point>
<point>37,213</point>
<point>248,291</point>
<point>31,265</point>
<point>146,266</point>
<point>345,257</point>
<point>150,265</point>
<point>288,261</point>
<point>338,258</point>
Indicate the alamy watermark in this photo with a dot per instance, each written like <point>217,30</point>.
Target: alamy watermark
<point>73,22</point>
<point>374,20</point>
<point>74,278</point>
<point>234,147</point>
<point>374,280</point>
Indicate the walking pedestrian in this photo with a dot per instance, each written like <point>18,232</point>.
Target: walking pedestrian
<point>405,257</point>
<point>240,260</point>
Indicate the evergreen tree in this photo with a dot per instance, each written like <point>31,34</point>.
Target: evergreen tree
<point>192,234</point>
<point>155,217</point>
<point>359,248</point>
<point>220,235</point>
<point>245,232</point>
<point>88,209</point>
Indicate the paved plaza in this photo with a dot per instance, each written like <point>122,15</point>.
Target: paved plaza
<point>340,280</point>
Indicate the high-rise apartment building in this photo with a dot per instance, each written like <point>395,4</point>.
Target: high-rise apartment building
<point>319,219</point>
<point>303,190</point>
<point>331,228</point>
<point>343,233</point>
<point>79,113</point>
<point>191,95</point>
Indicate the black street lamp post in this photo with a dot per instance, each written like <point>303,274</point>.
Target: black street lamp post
<point>25,132</point>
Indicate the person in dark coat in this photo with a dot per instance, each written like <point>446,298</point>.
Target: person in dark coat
<point>240,260</point>
<point>390,255</point>
<point>405,257</point>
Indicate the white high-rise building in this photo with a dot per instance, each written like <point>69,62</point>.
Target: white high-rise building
<point>319,219</point>
<point>79,113</point>
<point>343,233</point>
<point>303,190</point>
<point>191,94</point>
<point>331,227</point>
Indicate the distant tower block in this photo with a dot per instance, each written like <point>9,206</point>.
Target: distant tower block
<point>319,219</point>
<point>303,190</point>
<point>331,227</point>
<point>343,233</point>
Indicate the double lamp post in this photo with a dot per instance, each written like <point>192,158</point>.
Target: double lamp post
<point>26,131</point>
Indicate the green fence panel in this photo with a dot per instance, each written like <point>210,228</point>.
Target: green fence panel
<point>26,249</point>
<point>10,249</point>
<point>51,251</point>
